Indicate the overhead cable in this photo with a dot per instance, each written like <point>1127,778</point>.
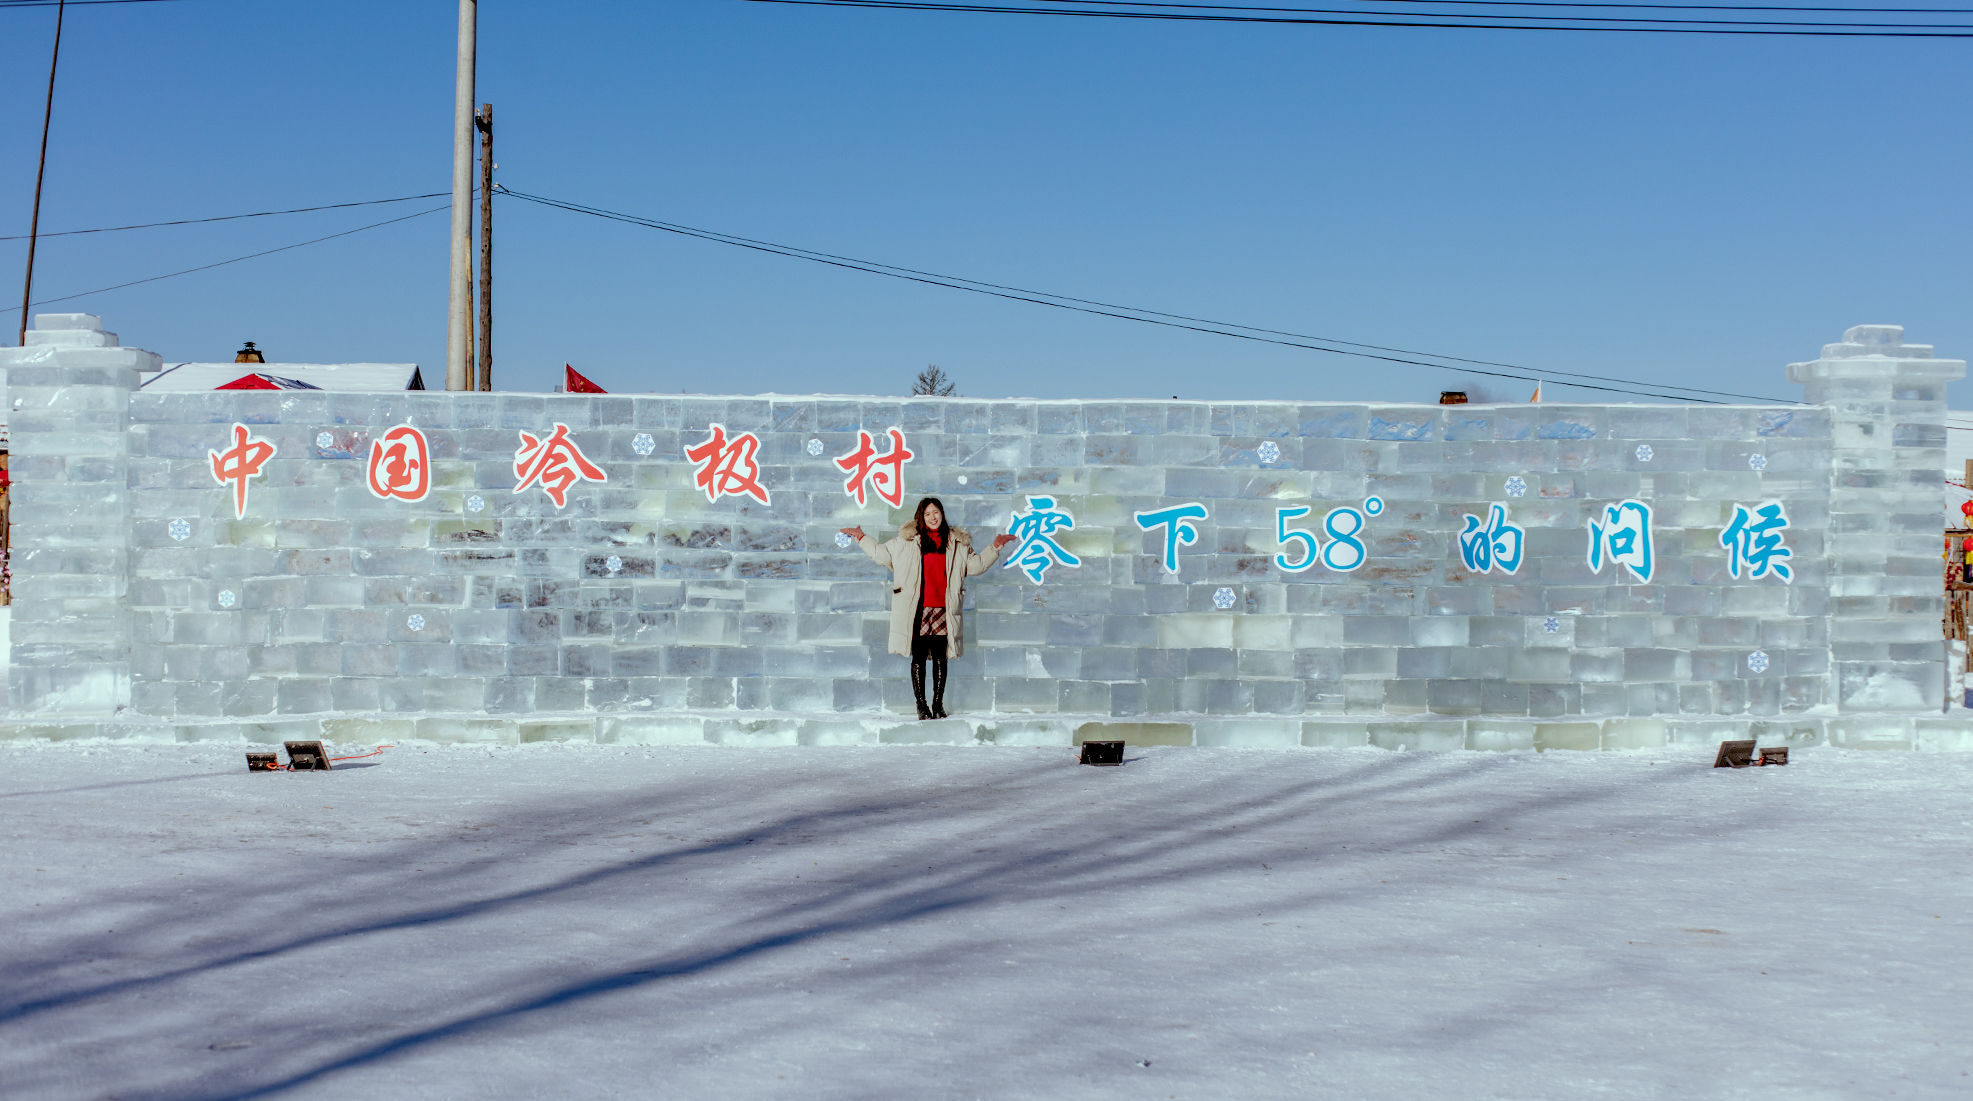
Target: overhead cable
<point>1526,4</point>
<point>4,4</point>
<point>1157,317</point>
<point>231,217</point>
<point>1548,17</point>
<point>1561,23</point>
<point>234,260</point>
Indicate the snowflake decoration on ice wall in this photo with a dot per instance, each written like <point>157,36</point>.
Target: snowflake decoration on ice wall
<point>325,440</point>
<point>227,599</point>
<point>844,541</point>
<point>1223,598</point>
<point>1268,452</point>
<point>475,503</point>
<point>613,563</point>
<point>815,447</point>
<point>180,530</point>
<point>643,444</point>
<point>416,622</point>
<point>1644,453</point>
<point>1757,661</point>
<point>1516,486</point>
<point>1757,462</point>
<point>1551,625</point>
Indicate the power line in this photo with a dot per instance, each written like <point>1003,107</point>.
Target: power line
<point>5,4</point>
<point>232,217</point>
<point>1829,30</point>
<point>234,260</point>
<point>1149,317</point>
<point>1532,4</point>
<point>954,282</point>
<point>1496,4</point>
<point>1105,308</point>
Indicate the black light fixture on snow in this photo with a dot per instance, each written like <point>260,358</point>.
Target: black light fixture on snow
<point>1102,753</point>
<point>307,756</point>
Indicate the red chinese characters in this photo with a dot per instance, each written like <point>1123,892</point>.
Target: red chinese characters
<point>400,464</point>
<point>239,462</point>
<point>885,472</point>
<point>555,463</point>
<point>726,468</point>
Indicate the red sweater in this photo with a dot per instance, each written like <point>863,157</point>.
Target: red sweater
<point>934,574</point>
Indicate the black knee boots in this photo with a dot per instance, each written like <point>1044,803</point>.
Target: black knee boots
<point>923,649</point>
<point>918,685</point>
<point>938,686</point>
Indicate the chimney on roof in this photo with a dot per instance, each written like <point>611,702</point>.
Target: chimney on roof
<point>1446,397</point>
<point>249,354</point>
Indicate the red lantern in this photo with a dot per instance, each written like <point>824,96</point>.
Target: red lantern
<point>1966,508</point>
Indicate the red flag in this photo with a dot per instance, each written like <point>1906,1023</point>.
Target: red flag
<point>576,384</point>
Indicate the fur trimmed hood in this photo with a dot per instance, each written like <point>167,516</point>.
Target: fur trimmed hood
<point>909,533</point>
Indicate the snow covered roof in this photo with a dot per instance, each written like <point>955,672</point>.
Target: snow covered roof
<point>321,376</point>
<point>258,381</point>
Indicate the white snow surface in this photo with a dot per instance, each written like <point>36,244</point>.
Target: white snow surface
<point>913,922</point>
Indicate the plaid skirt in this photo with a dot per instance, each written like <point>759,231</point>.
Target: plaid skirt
<point>931,623</point>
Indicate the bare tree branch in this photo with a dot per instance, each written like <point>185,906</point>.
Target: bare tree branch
<point>933,382</point>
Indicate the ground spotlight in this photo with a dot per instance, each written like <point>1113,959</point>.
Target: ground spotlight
<point>309,756</point>
<point>1734,754</point>
<point>1102,753</point>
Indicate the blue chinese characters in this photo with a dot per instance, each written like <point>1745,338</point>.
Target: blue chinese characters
<point>1493,545</point>
<point>1035,529</point>
<point>1753,542</point>
<point>1623,536</point>
<point>1177,530</point>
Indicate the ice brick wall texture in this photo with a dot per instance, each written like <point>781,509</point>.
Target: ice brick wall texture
<point>139,586</point>
<point>69,388</point>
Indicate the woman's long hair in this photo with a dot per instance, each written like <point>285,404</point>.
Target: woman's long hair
<point>925,544</point>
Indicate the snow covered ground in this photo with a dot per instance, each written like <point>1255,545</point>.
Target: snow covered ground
<point>893,922</point>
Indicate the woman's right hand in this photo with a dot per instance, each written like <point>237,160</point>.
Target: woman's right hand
<point>854,533</point>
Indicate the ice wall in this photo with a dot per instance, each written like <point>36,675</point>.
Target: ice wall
<point>1561,576</point>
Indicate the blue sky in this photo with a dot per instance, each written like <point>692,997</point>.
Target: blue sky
<point>1676,210</point>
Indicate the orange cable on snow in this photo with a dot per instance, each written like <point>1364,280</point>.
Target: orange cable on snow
<point>360,756</point>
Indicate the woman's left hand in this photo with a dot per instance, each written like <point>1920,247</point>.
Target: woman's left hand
<point>1002,540</point>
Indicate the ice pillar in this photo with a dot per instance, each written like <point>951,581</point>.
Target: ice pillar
<point>69,389</point>
<point>1887,408</point>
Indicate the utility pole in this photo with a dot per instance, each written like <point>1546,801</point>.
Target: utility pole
<point>485,123</point>
<point>34,223</point>
<point>469,329</point>
<point>459,333</point>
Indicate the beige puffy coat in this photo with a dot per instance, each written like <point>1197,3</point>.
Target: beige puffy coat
<point>906,564</point>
